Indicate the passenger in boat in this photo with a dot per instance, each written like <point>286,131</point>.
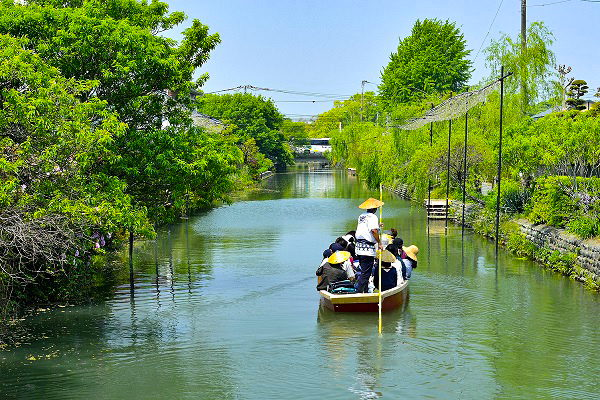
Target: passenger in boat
<point>389,274</point>
<point>399,243</point>
<point>341,241</point>
<point>367,241</point>
<point>346,266</point>
<point>349,237</point>
<point>332,271</point>
<point>387,237</point>
<point>398,263</point>
<point>411,259</point>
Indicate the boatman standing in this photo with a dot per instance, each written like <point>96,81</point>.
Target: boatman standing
<point>367,241</point>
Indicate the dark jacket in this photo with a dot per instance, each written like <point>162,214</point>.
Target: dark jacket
<point>329,274</point>
<point>389,278</point>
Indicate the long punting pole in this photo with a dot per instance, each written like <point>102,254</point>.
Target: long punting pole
<point>499,158</point>
<point>464,188</point>
<point>380,221</point>
<point>448,174</point>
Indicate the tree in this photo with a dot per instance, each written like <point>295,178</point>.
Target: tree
<point>431,59</point>
<point>58,208</point>
<point>118,45</point>
<point>533,66</point>
<point>253,117</point>
<point>577,89</point>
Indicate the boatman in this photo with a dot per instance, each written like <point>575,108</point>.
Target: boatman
<point>367,241</point>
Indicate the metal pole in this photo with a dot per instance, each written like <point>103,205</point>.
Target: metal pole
<point>464,188</point>
<point>499,159</point>
<point>429,181</point>
<point>448,174</point>
<point>362,99</point>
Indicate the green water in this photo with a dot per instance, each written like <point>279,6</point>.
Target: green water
<point>224,306</point>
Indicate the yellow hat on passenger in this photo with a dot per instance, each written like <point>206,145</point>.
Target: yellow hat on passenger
<point>387,256</point>
<point>338,257</point>
<point>371,203</point>
<point>411,251</point>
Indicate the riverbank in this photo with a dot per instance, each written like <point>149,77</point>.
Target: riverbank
<point>555,249</point>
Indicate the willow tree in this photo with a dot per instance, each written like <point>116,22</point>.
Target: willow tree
<point>532,67</point>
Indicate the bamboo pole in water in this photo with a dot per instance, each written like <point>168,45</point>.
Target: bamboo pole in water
<point>380,221</point>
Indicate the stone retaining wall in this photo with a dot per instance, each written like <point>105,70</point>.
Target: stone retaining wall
<point>544,236</point>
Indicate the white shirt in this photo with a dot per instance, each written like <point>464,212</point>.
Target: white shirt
<point>398,265</point>
<point>366,223</point>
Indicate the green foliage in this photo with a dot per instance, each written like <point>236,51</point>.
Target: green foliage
<point>561,201</point>
<point>584,226</point>
<point>295,133</point>
<point>550,204</point>
<point>91,146</point>
<point>532,69</point>
<point>562,144</point>
<point>252,117</point>
<point>518,244</point>
<point>256,162</point>
<point>513,198</point>
<point>432,59</point>
<point>117,45</point>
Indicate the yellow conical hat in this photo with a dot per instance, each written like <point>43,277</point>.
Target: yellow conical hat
<point>338,257</point>
<point>387,256</point>
<point>411,251</point>
<point>371,203</point>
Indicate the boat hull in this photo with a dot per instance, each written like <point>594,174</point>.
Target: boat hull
<point>365,302</point>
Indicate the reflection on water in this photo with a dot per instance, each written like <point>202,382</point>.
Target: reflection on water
<point>224,305</point>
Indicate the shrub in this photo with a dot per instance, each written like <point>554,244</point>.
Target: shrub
<point>584,226</point>
<point>514,198</point>
<point>550,204</point>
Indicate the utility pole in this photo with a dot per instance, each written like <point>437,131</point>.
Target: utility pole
<point>524,100</point>
<point>362,98</point>
<point>523,24</point>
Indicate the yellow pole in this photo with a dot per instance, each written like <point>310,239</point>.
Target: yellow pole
<point>380,221</point>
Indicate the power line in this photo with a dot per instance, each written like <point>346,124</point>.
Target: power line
<point>490,28</point>
<point>548,4</point>
<point>292,92</point>
<point>307,101</point>
<point>561,1</point>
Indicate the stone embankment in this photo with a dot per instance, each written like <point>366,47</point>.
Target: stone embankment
<point>548,237</point>
<point>542,236</point>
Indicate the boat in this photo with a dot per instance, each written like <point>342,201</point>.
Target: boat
<point>365,302</point>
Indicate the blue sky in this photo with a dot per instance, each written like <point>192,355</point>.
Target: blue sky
<point>330,46</point>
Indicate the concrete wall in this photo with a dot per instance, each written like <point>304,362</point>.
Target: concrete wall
<point>588,251</point>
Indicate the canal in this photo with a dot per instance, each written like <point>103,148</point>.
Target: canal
<point>224,306</point>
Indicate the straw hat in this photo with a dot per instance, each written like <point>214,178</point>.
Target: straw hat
<point>338,257</point>
<point>411,251</point>
<point>387,256</point>
<point>371,203</point>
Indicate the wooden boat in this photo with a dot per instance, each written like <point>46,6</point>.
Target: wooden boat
<point>365,302</point>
